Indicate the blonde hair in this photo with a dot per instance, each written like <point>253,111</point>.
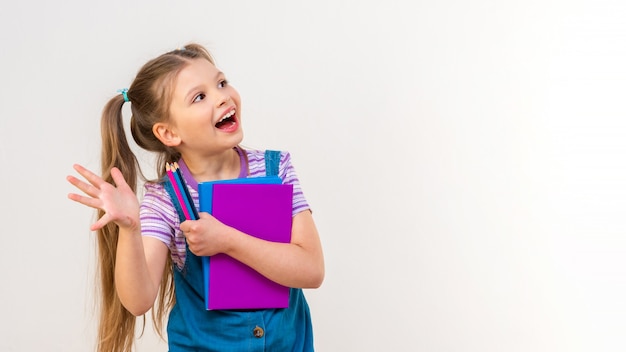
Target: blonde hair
<point>150,98</point>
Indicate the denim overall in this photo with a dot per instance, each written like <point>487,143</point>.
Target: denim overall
<point>193,328</point>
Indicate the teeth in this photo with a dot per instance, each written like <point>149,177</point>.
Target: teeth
<point>231,113</point>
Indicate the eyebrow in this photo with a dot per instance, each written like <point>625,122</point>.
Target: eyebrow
<point>193,89</point>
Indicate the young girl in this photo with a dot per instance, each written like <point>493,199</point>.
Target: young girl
<point>184,110</point>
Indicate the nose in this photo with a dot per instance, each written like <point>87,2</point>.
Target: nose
<point>222,98</point>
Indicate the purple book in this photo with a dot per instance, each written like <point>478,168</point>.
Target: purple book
<point>260,210</point>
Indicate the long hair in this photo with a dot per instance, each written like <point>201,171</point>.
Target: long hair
<point>150,98</point>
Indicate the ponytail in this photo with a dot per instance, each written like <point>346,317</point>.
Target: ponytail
<point>115,149</point>
<point>117,325</point>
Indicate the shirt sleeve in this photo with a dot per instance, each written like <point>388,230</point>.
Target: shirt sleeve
<point>159,220</point>
<point>287,173</point>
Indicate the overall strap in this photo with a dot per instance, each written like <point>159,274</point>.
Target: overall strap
<point>170,190</point>
<point>272,161</point>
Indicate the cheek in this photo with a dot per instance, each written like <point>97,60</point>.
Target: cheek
<point>236,98</point>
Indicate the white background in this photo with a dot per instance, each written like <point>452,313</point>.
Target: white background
<point>465,160</point>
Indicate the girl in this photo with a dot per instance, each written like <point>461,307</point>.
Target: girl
<point>184,110</point>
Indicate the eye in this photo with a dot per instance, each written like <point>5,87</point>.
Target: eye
<point>223,83</point>
<point>199,97</point>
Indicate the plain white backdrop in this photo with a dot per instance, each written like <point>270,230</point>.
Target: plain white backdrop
<point>465,160</point>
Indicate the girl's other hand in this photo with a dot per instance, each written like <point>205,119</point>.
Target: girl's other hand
<point>205,236</point>
<point>119,202</point>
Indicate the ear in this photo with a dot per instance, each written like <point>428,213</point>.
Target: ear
<point>164,132</point>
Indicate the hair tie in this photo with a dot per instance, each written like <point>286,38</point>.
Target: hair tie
<point>124,92</point>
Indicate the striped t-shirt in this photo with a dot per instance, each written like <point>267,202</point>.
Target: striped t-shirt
<point>160,220</point>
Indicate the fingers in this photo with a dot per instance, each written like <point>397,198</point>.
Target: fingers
<point>88,201</point>
<point>96,182</point>
<point>194,225</point>
<point>114,201</point>
<point>189,227</point>
<point>89,189</point>
<point>185,226</point>
<point>85,187</point>
<point>89,176</point>
<point>92,190</point>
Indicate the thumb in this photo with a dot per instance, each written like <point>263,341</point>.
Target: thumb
<point>205,215</point>
<point>118,178</point>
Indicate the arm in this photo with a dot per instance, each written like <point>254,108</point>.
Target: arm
<point>299,263</point>
<point>139,267</point>
<point>139,261</point>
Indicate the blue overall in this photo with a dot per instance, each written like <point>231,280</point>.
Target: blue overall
<point>193,328</point>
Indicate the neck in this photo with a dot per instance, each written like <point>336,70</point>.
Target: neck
<point>222,166</point>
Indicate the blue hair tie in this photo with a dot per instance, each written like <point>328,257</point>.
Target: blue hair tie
<point>124,92</point>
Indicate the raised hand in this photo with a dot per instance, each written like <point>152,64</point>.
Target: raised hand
<point>119,202</point>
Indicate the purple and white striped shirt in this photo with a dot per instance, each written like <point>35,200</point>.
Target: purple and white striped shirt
<point>160,220</point>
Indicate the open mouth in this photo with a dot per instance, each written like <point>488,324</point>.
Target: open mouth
<point>227,121</point>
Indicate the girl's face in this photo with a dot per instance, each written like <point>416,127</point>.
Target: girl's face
<point>205,111</point>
